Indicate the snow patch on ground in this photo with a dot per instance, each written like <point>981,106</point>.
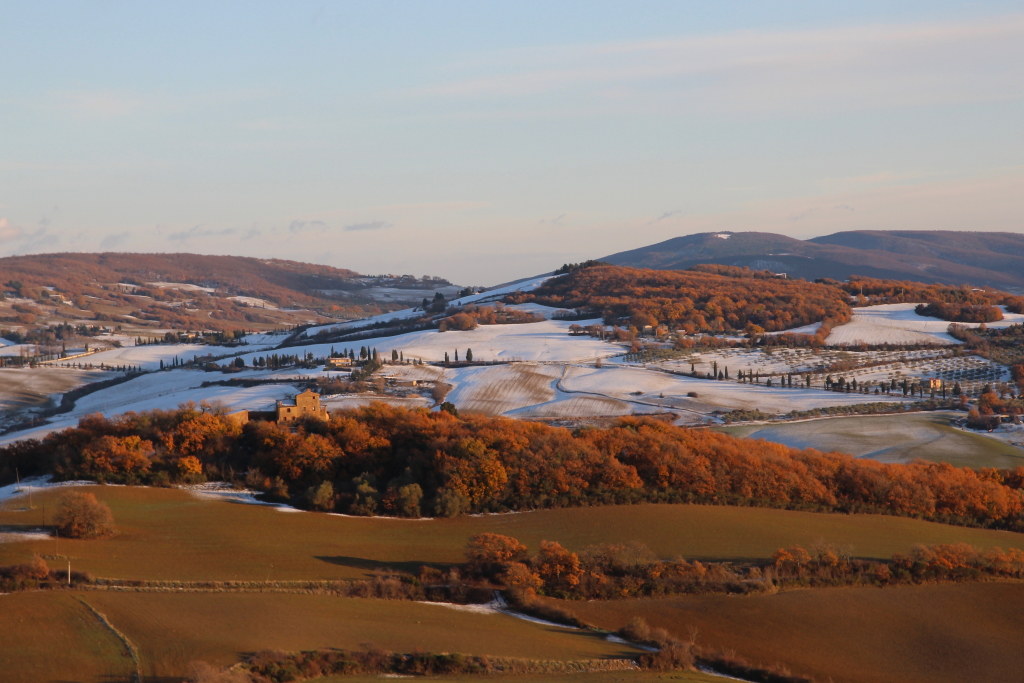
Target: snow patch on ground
<point>36,484</point>
<point>489,608</point>
<point>539,310</point>
<point>223,491</point>
<point>254,302</point>
<point>12,349</point>
<point>148,356</point>
<point>489,295</point>
<point>899,324</point>
<point>497,389</point>
<point>811,329</point>
<point>22,536</point>
<point>547,340</point>
<point>182,286</point>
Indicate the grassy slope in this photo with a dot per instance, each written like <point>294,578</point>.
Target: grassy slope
<point>891,438</point>
<point>966,632</point>
<point>169,534</point>
<point>171,630</point>
<point>48,636</point>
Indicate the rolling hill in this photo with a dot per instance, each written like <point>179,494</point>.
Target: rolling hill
<point>191,291</point>
<point>993,259</point>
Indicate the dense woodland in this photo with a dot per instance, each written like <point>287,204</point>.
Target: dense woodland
<point>392,461</point>
<point>966,313</point>
<point>868,291</point>
<point>692,300</point>
<point>716,298</point>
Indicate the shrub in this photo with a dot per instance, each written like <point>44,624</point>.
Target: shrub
<point>81,515</point>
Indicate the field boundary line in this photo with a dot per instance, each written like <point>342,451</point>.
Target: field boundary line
<point>129,646</point>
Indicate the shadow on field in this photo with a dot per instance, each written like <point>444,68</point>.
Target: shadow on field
<point>371,566</point>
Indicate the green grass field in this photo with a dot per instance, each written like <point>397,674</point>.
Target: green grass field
<point>890,438</point>
<point>170,534</point>
<point>963,632</point>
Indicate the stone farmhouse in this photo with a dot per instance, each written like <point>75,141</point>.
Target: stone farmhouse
<point>306,404</point>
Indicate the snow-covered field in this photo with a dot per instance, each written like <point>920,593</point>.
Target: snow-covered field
<point>408,313</point>
<point>165,391</point>
<point>148,356</point>
<point>557,375</point>
<point>653,388</point>
<point>21,387</point>
<point>254,302</point>
<point>895,438</point>
<point>547,340</point>
<point>899,324</point>
<point>936,363</point>
<point>495,293</point>
<point>184,286</point>
<point>499,389</point>
<point>419,373</point>
<point>12,349</point>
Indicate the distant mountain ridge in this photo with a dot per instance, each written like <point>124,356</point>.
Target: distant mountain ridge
<point>991,259</point>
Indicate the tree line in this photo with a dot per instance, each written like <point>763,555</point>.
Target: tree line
<point>716,299</point>
<point>384,460</point>
<point>611,571</point>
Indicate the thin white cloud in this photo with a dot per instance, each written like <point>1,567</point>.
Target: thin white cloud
<point>369,225</point>
<point>884,64</point>
<point>199,232</point>
<point>15,239</point>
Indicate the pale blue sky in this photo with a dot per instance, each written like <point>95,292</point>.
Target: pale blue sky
<point>484,141</point>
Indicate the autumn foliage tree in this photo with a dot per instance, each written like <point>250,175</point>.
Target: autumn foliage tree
<point>691,300</point>
<point>489,554</point>
<point>382,459</point>
<point>81,515</point>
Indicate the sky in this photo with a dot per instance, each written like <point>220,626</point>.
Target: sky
<point>487,141</point>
